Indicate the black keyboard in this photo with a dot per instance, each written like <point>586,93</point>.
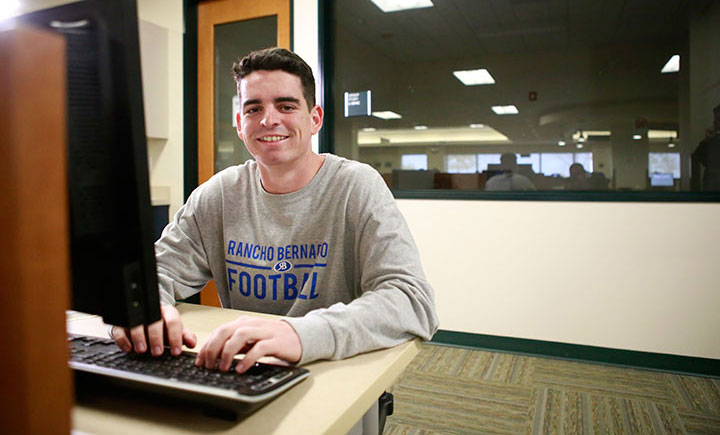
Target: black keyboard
<point>178,376</point>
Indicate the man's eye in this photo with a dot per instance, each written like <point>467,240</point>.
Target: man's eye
<point>251,110</point>
<point>288,108</point>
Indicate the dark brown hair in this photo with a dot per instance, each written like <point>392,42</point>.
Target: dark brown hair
<point>273,59</point>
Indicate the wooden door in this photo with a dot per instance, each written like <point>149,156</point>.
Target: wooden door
<point>228,30</point>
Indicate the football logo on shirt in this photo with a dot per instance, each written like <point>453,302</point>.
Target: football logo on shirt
<point>282,266</point>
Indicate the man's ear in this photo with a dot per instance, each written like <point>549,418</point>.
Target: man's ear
<point>316,117</point>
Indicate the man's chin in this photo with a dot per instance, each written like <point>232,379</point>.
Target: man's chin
<point>272,159</point>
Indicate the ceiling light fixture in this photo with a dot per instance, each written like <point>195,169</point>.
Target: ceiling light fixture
<point>561,143</point>
<point>672,65</point>
<point>662,134</point>
<point>401,5</point>
<point>587,134</point>
<point>477,125</point>
<point>505,110</point>
<point>421,127</point>
<point>474,77</point>
<point>369,129</point>
<point>637,136</point>
<point>386,114</point>
<point>580,145</point>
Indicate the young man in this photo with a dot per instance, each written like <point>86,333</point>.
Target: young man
<point>314,237</point>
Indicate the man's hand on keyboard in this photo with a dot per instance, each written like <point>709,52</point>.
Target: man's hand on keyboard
<point>138,337</point>
<point>256,337</point>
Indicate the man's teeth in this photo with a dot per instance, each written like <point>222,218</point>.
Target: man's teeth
<point>272,138</point>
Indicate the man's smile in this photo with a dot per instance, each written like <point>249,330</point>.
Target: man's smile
<point>272,138</point>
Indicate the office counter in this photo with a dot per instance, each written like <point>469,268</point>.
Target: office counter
<point>331,400</point>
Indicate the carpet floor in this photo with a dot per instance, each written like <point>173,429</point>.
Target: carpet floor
<point>449,390</point>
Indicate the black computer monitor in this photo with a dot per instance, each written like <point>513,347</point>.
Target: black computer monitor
<point>111,237</point>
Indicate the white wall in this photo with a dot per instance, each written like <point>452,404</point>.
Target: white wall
<point>618,275</point>
<point>166,154</point>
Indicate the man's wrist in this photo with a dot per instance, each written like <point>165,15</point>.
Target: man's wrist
<point>316,337</point>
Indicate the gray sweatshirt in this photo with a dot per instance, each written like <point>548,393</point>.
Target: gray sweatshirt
<point>335,256</point>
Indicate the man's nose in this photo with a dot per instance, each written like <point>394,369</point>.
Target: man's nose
<point>271,118</point>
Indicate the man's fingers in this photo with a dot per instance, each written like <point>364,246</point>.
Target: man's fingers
<point>258,337</point>
<point>152,337</point>
<point>155,338</point>
<point>208,355</point>
<point>120,335</point>
<point>174,329</point>
<point>212,348</point>
<point>189,339</point>
<point>137,336</point>
<point>237,342</point>
<point>260,349</point>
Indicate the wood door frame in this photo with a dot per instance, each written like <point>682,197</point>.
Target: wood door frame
<point>209,14</point>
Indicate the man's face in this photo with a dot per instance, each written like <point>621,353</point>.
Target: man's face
<point>274,121</point>
<point>576,171</point>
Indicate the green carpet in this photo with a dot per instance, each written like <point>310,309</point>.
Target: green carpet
<point>447,390</point>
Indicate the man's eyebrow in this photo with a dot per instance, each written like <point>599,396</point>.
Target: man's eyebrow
<point>287,100</point>
<point>249,102</point>
<point>277,100</point>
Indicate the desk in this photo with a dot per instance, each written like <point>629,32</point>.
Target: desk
<point>331,400</point>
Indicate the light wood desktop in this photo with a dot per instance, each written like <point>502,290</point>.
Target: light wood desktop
<point>331,400</point>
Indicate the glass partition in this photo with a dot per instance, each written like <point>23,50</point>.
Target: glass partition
<point>546,95</point>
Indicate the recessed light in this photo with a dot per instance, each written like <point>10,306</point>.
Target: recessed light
<point>401,5</point>
<point>421,127</point>
<point>386,114</point>
<point>474,77</point>
<point>662,134</point>
<point>637,137</point>
<point>561,143</point>
<point>580,145</point>
<point>477,125</point>
<point>672,65</point>
<point>671,145</point>
<point>369,129</point>
<point>505,110</point>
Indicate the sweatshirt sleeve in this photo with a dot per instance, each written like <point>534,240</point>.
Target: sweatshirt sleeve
<point>182,262</point>
<point>396,302</point>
